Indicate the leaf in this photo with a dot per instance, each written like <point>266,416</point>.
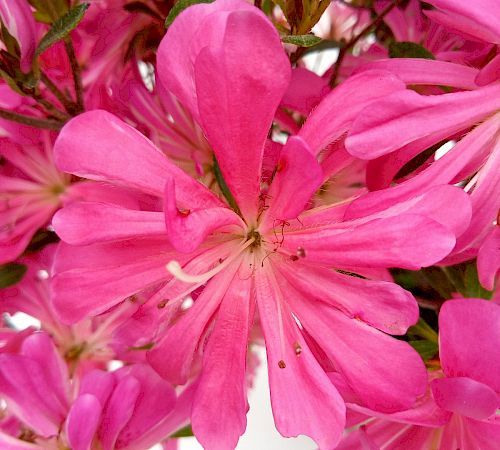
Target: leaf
<point>303,40</point>
<point>473,288</point>
<point>62,27</point>
<point>11,273</point>
<point>225,188</point>
<point>423,330</point>
<point>180,6</point>
<point>426,349</point>
<point>40,240</point>
<point>408,50</point>
<point>187,431</point>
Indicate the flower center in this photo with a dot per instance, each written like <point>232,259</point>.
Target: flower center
<point>257,239</point>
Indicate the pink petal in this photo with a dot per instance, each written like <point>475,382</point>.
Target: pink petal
<point>417,71</point>
<point>297,178</point>
<point>381,304</point>
<point>105,274</point>
<point>118,410</point>
<point>489,73</point>
<point>237,103</point>
<point>18,18</point>
<point>469,333</point>
<point>178,50</point>
<point>187,229</point>
<point>465,396</point>
<point>156,400</point>
<point>333,116</point>
<point>39,347</point>
<point>98,384</point>
<point>407,241</point>
<point>385,373</point>
<point>303,399</point>
<point>83,421</point>
<point>8,442</point>
<point>83,223</point>
<point>405,116</point>
<point>173,355</point>
<point>99,146</point>
<point>488,259</point>
<point>220,403</point>
<point>304,91</point>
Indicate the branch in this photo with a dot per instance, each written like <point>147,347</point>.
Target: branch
<point>68,104</point>
<point>31,121</point>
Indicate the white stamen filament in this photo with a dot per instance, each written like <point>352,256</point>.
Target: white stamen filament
<point>176,270</point>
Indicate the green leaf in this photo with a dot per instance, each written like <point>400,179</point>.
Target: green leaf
<point>62,27</point>
<point>49,10</point>
<point>423,330</point>
<point>180,6</point>
<point>225,188</point>
<point>426,349</point>
<point>40,240</point>
<point>303,40</point>
<point>473,288</point>
<point>187,431</point>
<point>11,273</point>
<point>409,50</point>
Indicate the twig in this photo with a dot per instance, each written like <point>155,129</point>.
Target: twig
<point>68,104</point>
<point>343,51</point>
<point>77,77</point>
<point>31,121</point>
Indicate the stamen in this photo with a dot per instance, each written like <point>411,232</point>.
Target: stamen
<point>176,270</point>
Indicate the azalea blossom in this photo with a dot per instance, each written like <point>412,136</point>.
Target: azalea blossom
<point>465,389</point>
<point>257,255</point>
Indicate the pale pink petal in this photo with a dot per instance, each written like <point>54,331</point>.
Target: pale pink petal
<point>118,410</point>
<point>220,403</point>
<point>237,103</point>
<point>381,304</point>
<point>99,146</point>
<point>385,373</point>
<point>83,421</point>
<point>465,396</point>
<point>336,112</point>
<point>406,116</point>
<point>303,399</point>
<point>8,442</point>
<point>469,333</point>
<point>297,178</point>
<point>408,241</point>
<point>82,223</point>
<point>173,355</point>
<point>488,259</point>
<point>416,71</point>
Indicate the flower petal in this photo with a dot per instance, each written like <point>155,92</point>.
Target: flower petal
<point>237,103</point>
<point>83,421</point>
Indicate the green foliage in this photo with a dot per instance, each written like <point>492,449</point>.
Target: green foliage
<point>423,330</point>
<point>225,188</point>
<point>409,50</point>
<point>11,273</point>
<point>49,10</point>
<point>303,40</point>
<point>426,349</point>
<point>187,431</point>
<point>62,27</point>
<point>180,6</point>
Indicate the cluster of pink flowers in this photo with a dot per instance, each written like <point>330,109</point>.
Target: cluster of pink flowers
<point>180,184</point>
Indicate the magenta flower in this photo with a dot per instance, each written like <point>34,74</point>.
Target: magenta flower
<point>264,256</point>
<point>102,410</point>
<point>466,391</point>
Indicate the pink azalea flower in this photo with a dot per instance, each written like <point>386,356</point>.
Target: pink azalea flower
<point>466,391</point>
<point>268,257</point>
<point>102,410</point>
<point>17,17</point>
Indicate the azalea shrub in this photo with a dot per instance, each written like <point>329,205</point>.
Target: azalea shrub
<point>188,185</point>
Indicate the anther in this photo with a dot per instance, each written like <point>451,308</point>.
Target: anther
<point>184,212</point>
<point>281,364</point>
<point>162,304</point>
<point>297,348</point>
<point>294,257</point>
<point>301,253</point>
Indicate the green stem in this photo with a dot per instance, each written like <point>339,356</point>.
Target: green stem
<point>224,188</point>
<point>47,124</point>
